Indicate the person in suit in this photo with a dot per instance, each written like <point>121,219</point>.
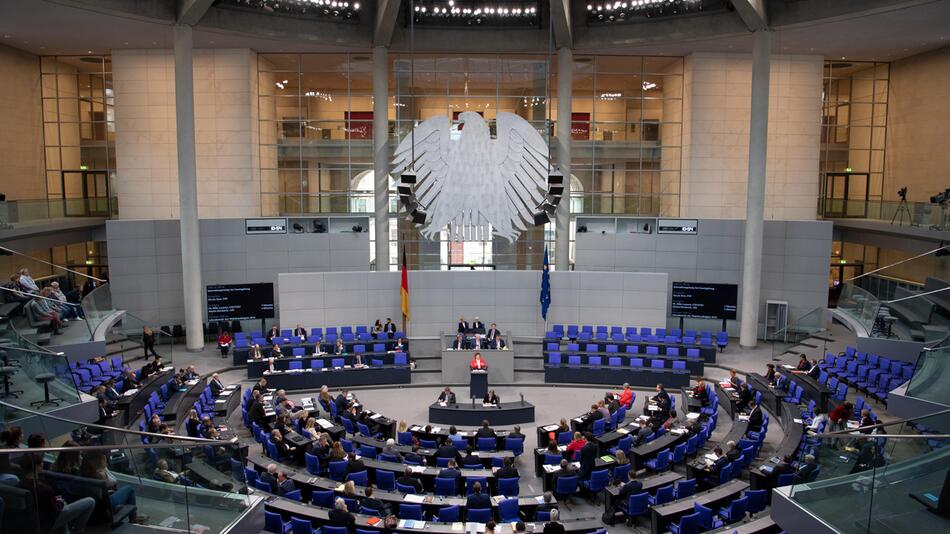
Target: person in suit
<point>478,363</point>
<point>588,456</point>
<point>448,450</point>
<point>390,328</point>
<point>477,342</point>
<point>354,464</point>
<point>256,412</point>
<point>447,396</point>
<point>485,431</point>
<point>815,371</point>
<point>734,379</point>
<point>450,471</point>
<point>806,472</point>
<point>413,455</point>
<point>300,331</point>
<point>642,433</point>
<point>770,373</point>
<point>284,484</point>
<point>129,381</point>
<point>274,332</point>
<point>408,480</point>
<point>261,386</point>
<point>491,398</point>
<point>553,526</point>
<point>602,408</point>
<point>373,503</point>
<point>340,516</point>
<point>721,461</point>
<point>111,393</point>
<point>104,412</point>
<point>565,470</point>
<point>755,417</point>
<point>732,451</point>
<point>215,384</point>
<point>459,343</point>
<point>191,373</point>
<point>399,345</point>
<point>478,325</point>
<point>701,391</point>
<point>783,467</point>
<point>338,348</point>
<point>496,344</point>
<point>516,433</point>
<point>803,364</point>
<point>462,326</point>
<point>471,460</point>
<point>745,396</point>
<point>270,477</point>
<point>283,448</point>
<point>477,500</point>
<point>492,333</point>
<point>508,470</point>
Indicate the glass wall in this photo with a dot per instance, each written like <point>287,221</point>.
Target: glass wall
<point>316,113</point>
<point>854,126</point>
<point>79,130</point>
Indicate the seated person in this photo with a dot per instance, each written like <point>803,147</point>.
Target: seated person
<point>485,431</point>
<point>408,480</point>
<point>164,474</point>
<point>459,343</point>
<point>806,472</point>
<point>340,516</point>
<point>491,398</point>
<point>478,363</point>
<point>54,514</point>
<point>477,500</point>
<point>565,470</point>
<point>215,384</point>
<point>450,471</point>
<point>642,433</point>
<point>283,448</point>
<point>732,451</point>
<point>447,396</point>
<point>803,364</point>
<point>273,333</point>
<point>300,331</point>
<point>714,466</point>
<point>478,326</point>
<point>399,345</point>
<point>339,348</point>
<point>508,470</point>
<point>413,455</point>
<point>575,446</point>
<point>496,344</point>
<point>734,379</point>
<point>477,342</point>
<point>755,417</point>
<point>269,476</point>
<point>492,333</point>
<point>516,433</point>
<point>815,371</point>
<point>372,503</point>
<point>284,484</point>
<point>471,460</point>
<point>770,373</point>
<point>354,464</point>
<point>701,391</point>
<point>745,396</point>
<point>95,465</point>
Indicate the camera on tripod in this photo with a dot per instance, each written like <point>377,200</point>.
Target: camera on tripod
<point>941,198</point>
<point>902,192</point>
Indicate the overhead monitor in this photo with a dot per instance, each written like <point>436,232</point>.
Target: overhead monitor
<point>240,302</point>
<point>700,300</point>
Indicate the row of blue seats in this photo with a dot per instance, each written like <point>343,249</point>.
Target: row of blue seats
<point>330,339</point>
<point>632,333</point>
<point>87,376</point>
<point>356,349</point>
<point>651,350</point>
<point>399,358</point>
<point>575,360</point>
<point>874,375</point>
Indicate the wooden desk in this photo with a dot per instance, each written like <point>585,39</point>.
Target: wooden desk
<point>670,512</point>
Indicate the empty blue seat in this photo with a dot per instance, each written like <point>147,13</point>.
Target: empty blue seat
<point>657,364</point>
<point>672,351</point>
<point>632,349</point>
<point>679,365</point>
<point>296,365</point>
<point>653,351</point>
<point>299,351</point>
<point>613,361</point>
<point>594,360</point>
<point>636,362</point>
<point>554,358</point>
<point>574,360</point>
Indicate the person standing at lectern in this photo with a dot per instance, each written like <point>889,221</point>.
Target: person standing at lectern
<point>491,398</point>
<point>478,363</point>
<point>463,326</point>
<point>447,396</point>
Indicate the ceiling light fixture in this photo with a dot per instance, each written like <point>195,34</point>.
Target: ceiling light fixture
<point>607,12</point>
<point>475,13</point>
<point>331,9</point>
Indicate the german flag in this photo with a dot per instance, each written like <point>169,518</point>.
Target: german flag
<point>404,288</point>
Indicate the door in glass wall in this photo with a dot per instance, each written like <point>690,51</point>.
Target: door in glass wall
<point>845,194</point>
<point>85,193</point>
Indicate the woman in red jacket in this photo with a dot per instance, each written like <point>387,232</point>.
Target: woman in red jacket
<point>478,362</point>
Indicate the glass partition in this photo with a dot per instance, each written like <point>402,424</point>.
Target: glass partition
<point>186,484</point>
<point>20,211</point>
<point>931,379</point>
<point>796,331</point>
<point>879,481</point>
<point>922,214</point>
<point>859,304</point>
<point>37,379</point>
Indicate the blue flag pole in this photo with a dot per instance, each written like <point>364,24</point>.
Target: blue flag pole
<point>545,289</point>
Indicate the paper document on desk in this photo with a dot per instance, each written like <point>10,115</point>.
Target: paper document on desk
<point>417,469</point>
<point>797,421</point>
<point>678,431</point>
<point>458,526</point>
<point>376,417</point>
<point>549,468</point>
<point>623,431</point>
<point>550,428</point>
<point>130,392</point>
<point>579,419</point>
<point>324,423</point>
<point>443,404</point>
<point>743,417</point>
<point>711,457</point>
<point>411,497</point>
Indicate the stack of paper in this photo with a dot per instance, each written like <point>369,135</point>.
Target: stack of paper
<point>550,428</point>
<point>411,497</point>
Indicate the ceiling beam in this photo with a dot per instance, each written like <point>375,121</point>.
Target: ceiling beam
<point>753,14</point>
<point>191,11</point>
<point>561,21</point>
<point>387,11</point>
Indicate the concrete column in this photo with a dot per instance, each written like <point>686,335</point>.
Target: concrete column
<point>188,187</point>
<point>565,80</point>
<point>381,154</point>
<point>755,192</point>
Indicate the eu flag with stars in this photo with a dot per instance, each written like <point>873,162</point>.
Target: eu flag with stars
<point>545,286</point>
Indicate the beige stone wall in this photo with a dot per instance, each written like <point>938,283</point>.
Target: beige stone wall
<point>716,107</point>
<point>918,126</point>
<point>226,134</point>
<point>22,175</point>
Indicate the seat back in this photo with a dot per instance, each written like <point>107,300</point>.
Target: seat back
<point>508,486</point>
<point>385,480</point>
<point>685,488</point>
<point>449,514</point>
<point>664,494</point>
<point>303,526</point>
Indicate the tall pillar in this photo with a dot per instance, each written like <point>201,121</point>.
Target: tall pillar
<point>565,81</point>
<point>381,155</point>
<point>188,187</point>
<point>755,192</point>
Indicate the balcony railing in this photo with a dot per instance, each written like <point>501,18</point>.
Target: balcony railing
<point>21,211</point>
<point>922,214</point>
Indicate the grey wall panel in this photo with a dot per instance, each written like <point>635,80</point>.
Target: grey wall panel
<point>509,298</point>
<point>796,256</point>
<point>145,260</point>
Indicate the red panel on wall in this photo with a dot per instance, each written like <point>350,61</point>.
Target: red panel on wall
<point>580,126</point>
<point>359,124</point>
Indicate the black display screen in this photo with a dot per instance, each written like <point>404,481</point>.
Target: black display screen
<point>240,302</point>
<point>704,301</point>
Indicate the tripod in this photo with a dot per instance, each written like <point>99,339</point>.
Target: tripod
<point>902,210</point>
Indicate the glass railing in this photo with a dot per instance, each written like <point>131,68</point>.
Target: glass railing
<point>923,214</point>
<point>37,379</point>
<point>97,305</point>
<point>796,331</point>
<point>21,211</point>
<point>931,379</point>
<point>876,481</point>
<point>859,304</point>
<point>184,484</point>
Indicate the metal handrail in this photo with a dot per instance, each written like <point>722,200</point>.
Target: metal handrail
<point>112,428</point>
<point>848,431</point>
<point>112,447</point>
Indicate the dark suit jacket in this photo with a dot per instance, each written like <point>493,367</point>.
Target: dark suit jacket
<point>256,413</point>
<point>492,334</point>
<point>216,387</point>
<point>588,456</point>
<point>300,332</point>
<point>449,400</point>
<point>448,451</point>
<point>478,500</point>
<point>355,466</point>
<point>507,472</point>
<point>375,504</point>
<point>472,461</point>
<point>285,487</point>
<point>719,464</point>
<point>628,489</point>
<point>755,419</point>
<point>410,481</point>
<point>485,433</point>
<point>642,433</point>
<point>339,518</point>
<point>478,325</point>
<point>462,327</point>
<point>491,399</point>
<point>459,344</point>
<point>269,479</point>
<point>805,472</point>
<point>449,472</point>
